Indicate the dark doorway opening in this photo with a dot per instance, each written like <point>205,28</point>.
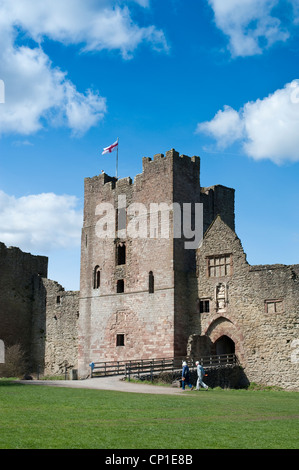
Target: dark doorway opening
<point>224,345</point>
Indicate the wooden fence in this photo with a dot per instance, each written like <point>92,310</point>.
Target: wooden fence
<point>152,366</point>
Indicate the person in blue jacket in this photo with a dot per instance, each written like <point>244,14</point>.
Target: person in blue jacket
<point>186,376</point>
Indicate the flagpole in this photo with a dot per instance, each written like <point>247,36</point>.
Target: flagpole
<point>117,159</point>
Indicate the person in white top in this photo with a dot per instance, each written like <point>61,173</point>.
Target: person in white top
<point>200,375</point>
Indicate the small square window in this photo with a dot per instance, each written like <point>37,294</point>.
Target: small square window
<point>120,340</point>
<point>274,306</point>
<point>204,306</point>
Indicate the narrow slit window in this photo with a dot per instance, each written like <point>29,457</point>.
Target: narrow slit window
<point>151,283</point>
<point>120,286</point>
<point>96,277</point>
<point>121,254</point>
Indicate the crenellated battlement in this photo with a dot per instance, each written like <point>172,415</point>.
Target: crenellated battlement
<point>171,162</point>
<point>170,178</point>
<point>170,156</point>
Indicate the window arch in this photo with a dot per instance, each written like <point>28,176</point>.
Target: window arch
<point>96,277</point>
<point>121,253</point>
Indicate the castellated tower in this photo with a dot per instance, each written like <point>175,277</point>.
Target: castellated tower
<point>137,283</point>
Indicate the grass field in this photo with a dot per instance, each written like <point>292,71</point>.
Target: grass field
<point>40,417</point>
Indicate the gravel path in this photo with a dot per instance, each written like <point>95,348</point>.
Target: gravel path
<point>108,383</point>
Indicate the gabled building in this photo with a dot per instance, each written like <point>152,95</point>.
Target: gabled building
<point>252,311</point>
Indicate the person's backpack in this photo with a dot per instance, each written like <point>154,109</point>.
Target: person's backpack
<point>202,370</point>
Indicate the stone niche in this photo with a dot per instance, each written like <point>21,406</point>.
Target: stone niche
<point>221,297</point>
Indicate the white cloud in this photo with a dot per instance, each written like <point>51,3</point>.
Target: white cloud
<point>226,125</point>
<point>37,92</point>
<point>40,223</point>
<point>267,128</point>
<point>251,25</point>
<point>94,25</point>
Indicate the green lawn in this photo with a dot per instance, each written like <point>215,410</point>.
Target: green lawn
<point>40,417</point>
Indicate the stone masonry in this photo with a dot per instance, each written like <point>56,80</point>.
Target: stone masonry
<point>135,322</point>
<point>204,301</point>
<point>61,329</point>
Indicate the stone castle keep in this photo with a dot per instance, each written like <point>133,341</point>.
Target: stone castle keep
<point>150,297</point>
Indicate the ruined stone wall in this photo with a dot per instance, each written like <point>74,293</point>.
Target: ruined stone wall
<point>19,286</point>
<point>218,200</point>
<point>60,333</point>
<point>31,316</point>
<point>256,306</point>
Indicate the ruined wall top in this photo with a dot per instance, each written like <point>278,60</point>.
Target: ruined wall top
<point>13,258</point>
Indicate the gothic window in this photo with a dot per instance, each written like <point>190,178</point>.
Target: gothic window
<point>120,286</point>
<point>274,306</point>
<point>58,299</point>
<point>121,253</point>
<point>204,306</point>
<point>120,340</point>
<point>151,283</point>
<point>96,277</point>
<point>220,265</point>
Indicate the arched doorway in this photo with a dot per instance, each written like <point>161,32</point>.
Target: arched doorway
<point>224,345</point>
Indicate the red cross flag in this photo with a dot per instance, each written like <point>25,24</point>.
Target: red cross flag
<point>110,148</point>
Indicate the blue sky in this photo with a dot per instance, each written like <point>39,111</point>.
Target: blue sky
<point>206,77</point>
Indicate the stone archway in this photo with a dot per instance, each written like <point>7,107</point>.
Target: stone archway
<point>224,345</point>
<point>225,336</point>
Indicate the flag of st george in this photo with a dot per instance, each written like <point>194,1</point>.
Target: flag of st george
<point>110,148</point>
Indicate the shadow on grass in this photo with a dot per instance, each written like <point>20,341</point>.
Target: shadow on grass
<point>9,382</point>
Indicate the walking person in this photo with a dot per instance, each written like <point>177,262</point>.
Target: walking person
<point>200,375</point>
<point>186,377</point>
